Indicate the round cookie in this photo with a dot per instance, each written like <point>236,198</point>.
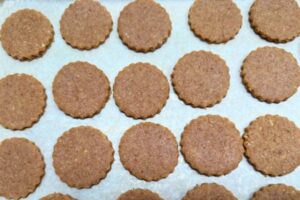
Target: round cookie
<point>85,24</point>
<point>201,79</point>
<point>275,20</point>
<point>21,168</point>
<point>80,89</point>
<point>141,90</point>
<point>26,34</point>
<point>149,151</point>
<point>22,101</point>
<point>139,194</point>
<point>276,192</point>
<point>57,196</point>
<point>215,21</point>
<point>211,191</point>
<point>82,157</point>
<point>212,145</point>
<point>271,74</point>
<point>144,25</point>
<point>272,145</point>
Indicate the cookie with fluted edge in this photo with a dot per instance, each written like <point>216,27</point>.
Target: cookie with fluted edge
<point>276,192</point>
<point>139,194</point>
<point>57,196</point>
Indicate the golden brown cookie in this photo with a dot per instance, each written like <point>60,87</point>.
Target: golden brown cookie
<point>212,145</point>
<point>272,145</point>
<point>57,196</point>
<point>22,101</point>
<point>271,74</point>
<point>26,34</point>
<point>149,151</point>
<point>215,21</point>
<point>22,168</point>
<point>141,90</point>
<point>144,25</point>
<point>209,191</point>
<point>80,89</point>
<point>85,24</point>
<point>82,157</point>
<point>139,194</point>
<point>276,192</point>
<point>275,20</point>
<point>201,79</point>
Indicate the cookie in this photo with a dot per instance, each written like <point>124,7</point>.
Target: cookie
<point>26,34</point>
<point>22,101</point>
<point>22,168</point>
<point>144,25</point>
<point>57,196</point>
<point>85,24</point>
<point>149,151</point>
<point>80,89</point>
<point>209,191</point>
<point>215,21</point>
<point>275,20</point>
<point>82,157</point>
<point>201,79</point>
<point>276,192</point>
<point>212,145</point>
<point>272,145</point>
<point>271,74</point>
<point>141,90</point>
<point>139,194</point>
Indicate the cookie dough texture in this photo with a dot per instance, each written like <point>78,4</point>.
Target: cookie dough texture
<point>80,89</point>
<point>57,196</point>
<point>139,194</point>
<point>276,192</point>
<point>275,20</point>
<point>85,24</point>
<point>149,151</point>
<point>82,157</point>
<point>21,168</point>
<point>215,21</point>
<point>212,145</point>
<point>144,25</point>
<point>22,101</point>
<point>271,74</point>
<point>272,145</point>
<point>26,34</point>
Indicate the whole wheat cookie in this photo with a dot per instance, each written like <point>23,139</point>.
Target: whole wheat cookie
<point>276,192</point>
<point>275,20</point>
<point>215,21</point>
<point>22,101</point>
<point>80,89</point>
<point>26,34</point>
<point>139,194</point>
<point>271,74</point>
<point>57,196</point>
<point>144,25</point>
<point>149,151</point>
<point>141,90</point>
<point>201,79</point>
<point>272,145</point>
<point>22,168</point>
<point>82,157</point>
<point>212,145</point>
<point>85,24</point>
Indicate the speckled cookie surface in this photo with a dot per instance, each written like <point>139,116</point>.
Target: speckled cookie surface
<point>209,191</point>
<point>85,24</point>
<point>26,34</point>
<point>82,157</point>
<point>80,89</point>
<point>275,20</point>
<point>271,74</point>
<point>276,192</point>
<point>144,25</point>
<point>21,168</point>
<point>212,145</point>
<point>149,151</point>
<point>57,196</point>
<point>272,145</point>
<point>22,101</point>
<point>201,79</point>
<point>141,90</point>
<point>139,194</point>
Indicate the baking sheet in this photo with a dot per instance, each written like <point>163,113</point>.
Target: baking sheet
<point>111,57</point>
